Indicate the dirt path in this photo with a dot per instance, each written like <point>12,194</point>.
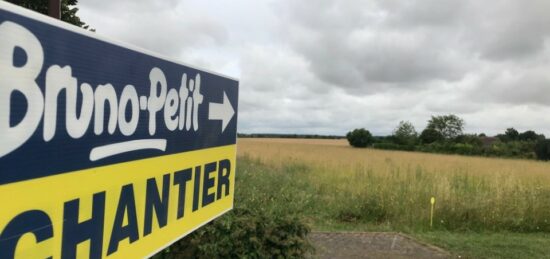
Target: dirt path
<point>372,245</point>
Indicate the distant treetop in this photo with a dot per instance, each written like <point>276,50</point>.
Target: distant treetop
<point>68,10</point>
<point>449,126</point>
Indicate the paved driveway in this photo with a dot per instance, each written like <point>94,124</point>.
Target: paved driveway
<point>372,245</point>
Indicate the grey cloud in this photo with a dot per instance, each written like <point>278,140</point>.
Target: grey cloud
<point>167,27</point>
<point>364,43</point>
<point>497,30</point>
<point>515,86</point>
<point>495,118</point>
<point>329,66</point>
<point>280,94</point>
<point>431,13</point>
<point>507,29</point>
<point>175,36</point>
<point>120,7</point>
<point>361,51</point>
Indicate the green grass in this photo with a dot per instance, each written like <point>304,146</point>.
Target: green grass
<point>490,244</point>
<point>469,226</point>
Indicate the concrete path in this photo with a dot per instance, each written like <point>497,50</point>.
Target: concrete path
<point>385,245</point>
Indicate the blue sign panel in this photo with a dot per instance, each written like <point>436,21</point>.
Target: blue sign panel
<point>89,102</point>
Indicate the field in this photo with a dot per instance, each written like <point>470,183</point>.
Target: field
<point>484,207</point>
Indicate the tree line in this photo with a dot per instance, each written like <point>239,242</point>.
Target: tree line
<point>275,135</point>
<point>445,134</point>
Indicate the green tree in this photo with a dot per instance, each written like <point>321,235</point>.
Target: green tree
<point>405,134</point>
<point>360,138</point>
<point>530,135</point>
<point>430,135</point>
<point>68,10</point>
<point>511,134</point>
<point>449,126</point>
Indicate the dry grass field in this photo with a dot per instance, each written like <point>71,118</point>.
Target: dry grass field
<point>336,186</point>
<point>337,153</point>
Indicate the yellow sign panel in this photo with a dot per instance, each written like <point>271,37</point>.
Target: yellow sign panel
<point>126,210</point>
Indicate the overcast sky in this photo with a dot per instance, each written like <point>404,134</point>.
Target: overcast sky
<point>326,67</point>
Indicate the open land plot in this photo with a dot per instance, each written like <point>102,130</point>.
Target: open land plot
<point>482,204</point>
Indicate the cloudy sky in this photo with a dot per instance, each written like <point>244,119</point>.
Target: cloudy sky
<point>325,67</point>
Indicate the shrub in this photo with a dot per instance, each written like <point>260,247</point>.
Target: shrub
<point>244,234</point>
<point>517,149</point>
<point>463,149</point>
<point>471,139</point>
<point>392,146</point>
<point>430,135</point>
<point>530,135</point>
<point>360,138</point>
<point>542,149</point>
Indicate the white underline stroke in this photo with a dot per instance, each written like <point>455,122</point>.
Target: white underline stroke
<point>127,146</point>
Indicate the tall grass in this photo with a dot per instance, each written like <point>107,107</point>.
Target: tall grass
<point>327,181</point>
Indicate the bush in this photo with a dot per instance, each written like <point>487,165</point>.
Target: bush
<point>542,149</point>
<point>244,234</point>
<point>516,149</point>
<point>392,146</point>
<point>360,138</point>
<point>463,149</point>
<point>469,139</point>
<point>430,135</point>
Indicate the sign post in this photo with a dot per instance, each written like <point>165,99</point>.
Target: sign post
<point>106,150</point>
<point>54,9</point>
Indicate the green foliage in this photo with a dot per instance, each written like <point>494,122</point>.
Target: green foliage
<point>369,210</point>
<point>398,199</point>
<point>449,126</point>
<point>367,198</point>
<point>444,135</point>
<point>360,138</point>
<point>511,134</point>
<point>384,139</point>
<point>391,192</point>
<point>430,135</point>
<point>462,149</point>
<point>542,149</point>
<point>393,146</point>
<point>287,189</point>
<point>68,10</point>
<point>530,136</point>
<point>267,222</point>
<point>512,149</point>
<point>470,139</point>
<point>405,134</point>
<point>244,234</point>
<point>490,245</point>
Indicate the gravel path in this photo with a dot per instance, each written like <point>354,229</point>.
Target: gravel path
<point>336,245</point>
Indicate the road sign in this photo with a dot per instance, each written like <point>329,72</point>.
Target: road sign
<point>106,150</point>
